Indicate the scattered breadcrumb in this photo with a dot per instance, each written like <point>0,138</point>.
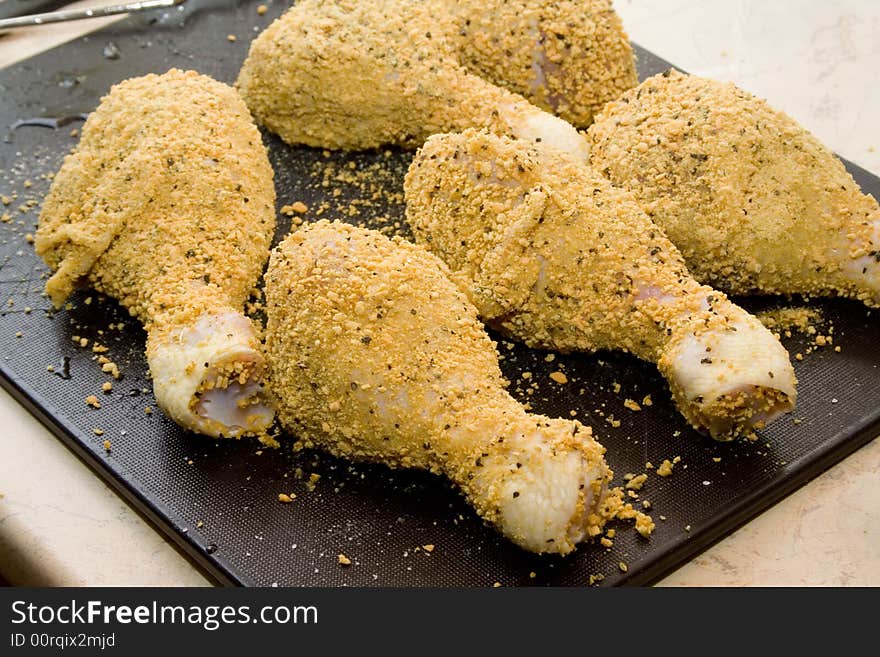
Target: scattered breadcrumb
<point>262,9</point>
<point>559,377</point>
<point>284,497</point>
<point>231,38</point>
<point>636,482</point>
<point>665,468</point>
<point>106,445</point>
<point>313,481</point>
<point>644,525</point>
<point>92,401</point>
<point>107,386</point>
<point>343,560</point>
<point>632,405</point>
<point>614,506</point>
<point>623,567</point>
<point>797,318</point>
<point>428,548</point>
<point>98,432</point>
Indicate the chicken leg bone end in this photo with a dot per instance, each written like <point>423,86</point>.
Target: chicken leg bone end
<point>552,502</point>
<point>731,381</point>
<point>534,125</point>
<point>207,376</point>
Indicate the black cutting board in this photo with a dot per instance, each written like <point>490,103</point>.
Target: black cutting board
<point>218,500</point>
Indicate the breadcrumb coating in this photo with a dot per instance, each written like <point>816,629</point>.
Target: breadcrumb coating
<point>167,204</point>
<point>354,75</point>
<point>375,355</point>
<point>555,256</point>
<point>566,57</point>
<point>753,201</point>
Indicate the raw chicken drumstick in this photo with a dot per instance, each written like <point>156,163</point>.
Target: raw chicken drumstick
<point>752,200</point>
<point>568,57</point>
<point>168,205</point>
<point>354,75</point>
<point>374,354</point>
<point>553,255</point>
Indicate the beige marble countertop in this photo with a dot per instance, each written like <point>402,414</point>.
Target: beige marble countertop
<point>819,61</point>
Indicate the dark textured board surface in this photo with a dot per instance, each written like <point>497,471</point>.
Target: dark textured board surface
<point>218,499</point>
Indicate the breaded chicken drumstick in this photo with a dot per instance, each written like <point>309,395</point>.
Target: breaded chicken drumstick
<point>569,57</point>
<point>753,201</point>
<point>553,255</point>
<point>168,205</point>
<point>376,355</point>
<point>355,75</point>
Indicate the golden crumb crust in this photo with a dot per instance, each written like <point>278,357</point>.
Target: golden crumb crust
<point>167,203</point>
<point>566,57</point>
<point>375,355</point>
<point>753,201</point>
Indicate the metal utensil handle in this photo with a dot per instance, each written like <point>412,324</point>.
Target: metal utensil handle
<point>15,8</point>
<point>79,14</point>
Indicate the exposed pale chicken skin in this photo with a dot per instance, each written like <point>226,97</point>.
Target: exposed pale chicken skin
<point>553,255</point>
<point>752,200</point>
<point>376,355</point>
<point>168,205</point>
<point>568,57</point>
<point>355,75</point>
